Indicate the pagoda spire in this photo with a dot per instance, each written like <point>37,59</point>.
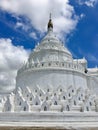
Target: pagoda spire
<point>50,24</point>
<point>50,15</point>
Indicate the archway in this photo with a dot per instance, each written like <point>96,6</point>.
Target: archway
<point>45,108</point>
<point>24,108</point>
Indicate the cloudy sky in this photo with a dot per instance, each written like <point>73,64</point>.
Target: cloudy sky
<point>23,23</point>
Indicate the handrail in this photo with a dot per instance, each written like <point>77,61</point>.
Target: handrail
<point>52,64</point>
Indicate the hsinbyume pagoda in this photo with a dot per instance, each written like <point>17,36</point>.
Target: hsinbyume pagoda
<point>52,89</point>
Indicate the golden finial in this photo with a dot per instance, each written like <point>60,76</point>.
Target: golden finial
<point>50,24</point>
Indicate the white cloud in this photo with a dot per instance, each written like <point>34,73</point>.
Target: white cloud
<point>22,25</point>
<point>64,17</point>
<point>89,3</point>
<point>82,16</point>
<point>11,58</point>
<point>33,35</point>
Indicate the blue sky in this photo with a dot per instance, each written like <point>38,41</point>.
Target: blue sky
<point>85,38</point>
<point>24,23</point>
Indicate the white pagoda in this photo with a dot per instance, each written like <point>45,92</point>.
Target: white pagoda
<point>52,89</point>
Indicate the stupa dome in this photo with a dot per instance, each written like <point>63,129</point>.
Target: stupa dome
<point>50,49</point>
<point>50,64</point>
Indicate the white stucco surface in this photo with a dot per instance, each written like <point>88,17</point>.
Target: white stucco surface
<point>52,89</point>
